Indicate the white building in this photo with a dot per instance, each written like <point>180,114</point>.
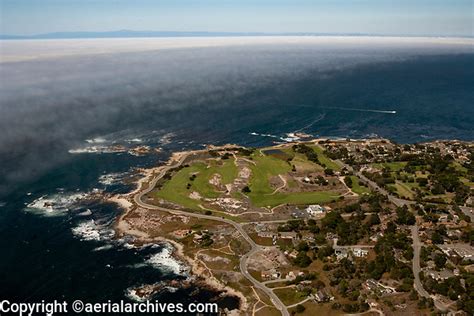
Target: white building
<point>315,210</point>
<point>359,252</point>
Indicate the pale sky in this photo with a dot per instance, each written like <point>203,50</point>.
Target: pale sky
<point>401,17</point>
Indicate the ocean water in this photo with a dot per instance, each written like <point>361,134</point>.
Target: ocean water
<point>67,251</point>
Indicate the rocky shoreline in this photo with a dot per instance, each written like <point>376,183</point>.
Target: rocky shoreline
<point>123,228</point>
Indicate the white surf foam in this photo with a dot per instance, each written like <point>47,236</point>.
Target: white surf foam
<point>89,231</point>
<point>98,150</point>
<point>134,140</point>
<point>164,260</point>
<point>263,135</point>
<point>55,205</point>
<point>97,140</point>
<point>105,247</point>
<point>132,294</point>
<point>166,139</point>
<point>112,178</point>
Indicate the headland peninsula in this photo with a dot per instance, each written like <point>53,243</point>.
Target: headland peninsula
<point>317,226</point>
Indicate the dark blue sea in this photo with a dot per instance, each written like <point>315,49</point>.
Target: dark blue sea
<point>46,255</point>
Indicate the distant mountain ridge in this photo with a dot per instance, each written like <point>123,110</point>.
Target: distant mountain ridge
<point>131,34</point>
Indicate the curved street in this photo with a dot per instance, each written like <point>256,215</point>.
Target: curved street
<point>416,243</point>
<point>243,261</point>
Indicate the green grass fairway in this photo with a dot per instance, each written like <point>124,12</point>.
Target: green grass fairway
<point>357,188</point>
<point>261,195</point>
<point>393,166</point>
<point>175,189</point>
<point>325,159</point>
<point>227,170</point>
<point>266,166</point>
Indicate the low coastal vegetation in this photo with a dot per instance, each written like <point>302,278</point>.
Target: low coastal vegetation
<point>337,226</point>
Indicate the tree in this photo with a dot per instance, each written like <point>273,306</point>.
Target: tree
<point>328,172</point>
<point>436,238</point>
<point>404,216</point>
<point>440,260</point>
<point>437,189</point>
<point>300,308</point>
<point>331,220</point>
<point>374,219</point>
<point>302,246</point>
<point>302,260</point>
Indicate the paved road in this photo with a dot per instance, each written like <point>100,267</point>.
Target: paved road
<point>468,211</point>
<point>417,268</point>
<point>416,262</point>
<point>415,236</point>
<point>243,261</point>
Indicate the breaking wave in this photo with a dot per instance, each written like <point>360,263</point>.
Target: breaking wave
<point>57,204</point>
<point>91,231</point>
<point>164,260</point>
<point>112,178</point>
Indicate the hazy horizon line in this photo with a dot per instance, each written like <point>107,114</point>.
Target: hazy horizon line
<point>147,33</point>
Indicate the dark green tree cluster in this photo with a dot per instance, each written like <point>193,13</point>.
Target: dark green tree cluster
<point>310,154</point>
<point>451,287</point>
<point>404,216</point>
<point>302,259</point>
<point>382,179</point>
<point>346,278</point>
<point>339,152</point>
<point>374,200</point>
<point>466,301</point>
<point>245,151</point>
<point>206,240</point>
<point>293,225</point>
<point>385,260</point>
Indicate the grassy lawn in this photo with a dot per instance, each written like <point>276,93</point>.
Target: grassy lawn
<point>175,190</point>
<point>357,187</point>
<point>458,167</point>
<point>393,166</point>
<point>447,198</point>
<point>290,295</point>
<point>467,182</point>
<point>325,159</point>
<point>411,185</point>
<point>276,284</point>
<point>269,311</point>
<point>268,166</point>
<point>403,190</point>
<point>264,241</point>
<point>302,164</point>
<point>228,171</point>
<point>301,198</point>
